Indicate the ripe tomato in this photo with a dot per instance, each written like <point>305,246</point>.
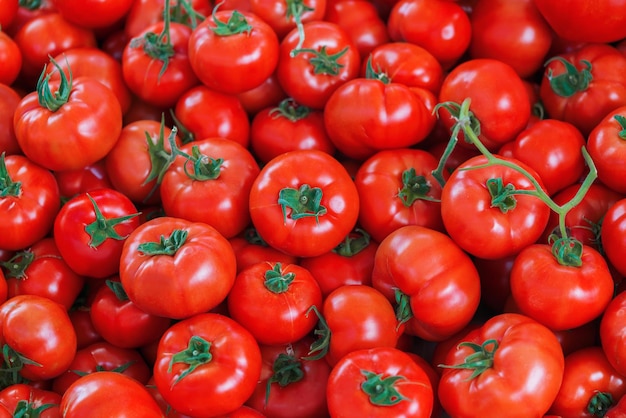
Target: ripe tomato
<point>8,11</point>
<point>250,249</point>
<point>82,180</point>
<point>93,14</point>
<point>26,400</point>
<point>482,213</point>
<point>9,99</point>
<point>47,349</point>
<point>167,264</point>
<point>211,356</point>
<point>606,148</point>
<point>90,230</point>
<point>29,202</point>
<point>304,203</point>
<point>612,235</point>
<point>233,51</point>
<point>26,11</point>
<point>144,13</point>
<point>424,272</point>
<point>613,332</point>
<point>379,382</point>
<point>510,366</point>
<point>283,16</point>
<point>267,94</point>
<point>11,58</point>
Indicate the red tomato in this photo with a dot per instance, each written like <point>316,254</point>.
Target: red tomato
<point>85,332</point>
<point>439,26</point>
<point>211,357</point>
<point>396,188</point>
<point>108,394</point>
<point>47,349</point>
<point>167,264</point>
<point>25,12</point>
<point>233,51</point>
<point>612,235</point>
<point>250,249</point>
<point>289,384</point>
<point>283,16</point>
<point>426,273</point>
<point>483,215</point>
<point>267,94</point>
<point>311,70</point>
<point>8,11</point>
<point>513,32</point>
<point>84,115</point>
<point>581,87</point>
<point>40,270</point>
<point>25,400</point>
<point>11,58</point>
<point>9,99</point>
<point>379,382</point>
<point>618,410</point>
<point>511,366</point>
<point>29,202</point>
<point>304,203</point>
<point>82,180</point>
<point>613,332</point>
<point>90,230</point>
<point>93,13</point>
<point>144,13</point>
<point>606,147</point>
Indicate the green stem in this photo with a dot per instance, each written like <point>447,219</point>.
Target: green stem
<point>319,348</point>
<point>53,102</point>
<point>414,188</point>
<point>276,281</point>
<point>8,187</point>
<point>353,243</point>
<point>102,228</point>
<point>295,9</point>
<point>197,353</point>
<point>288,108</point>
<point>117,289</point>
<point>236,23</point>
<point>16,266</point>
<point>479,361</point>
<point>303,202</point>
<point>286,370</point>
<point>382,390</point>
<point>571,81</point>
<point>322,61</point>
<point>600,403</point>
<point>26,409</point>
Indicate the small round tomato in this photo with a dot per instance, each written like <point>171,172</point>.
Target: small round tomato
<point>612,235</point>
<point>9,100</point>
<point>93,13</point>
<point>607,148</point>
<point>11,58</point>
<point>613,332</point>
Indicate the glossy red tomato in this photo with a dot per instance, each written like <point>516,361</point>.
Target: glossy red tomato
<point>612,234</point>
<point>144,13</point>
<point>9,99</point>
<point>11,58</point>
<point>81,180</point>
<point>250,249</point>
<point>605,144</point>
<point>27,400</point>
<point>283,16</point>
<point>93,13</point>
<point>613,332</point>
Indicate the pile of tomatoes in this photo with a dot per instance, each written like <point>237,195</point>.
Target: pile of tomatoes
<point>312,208</point>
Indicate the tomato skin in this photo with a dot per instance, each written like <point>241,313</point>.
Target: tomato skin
<point>93,13</point>
<point>313,234</point>
<point>81,180</point>
<point>434,273</point>
<point>570,296</point>
<point>345,384</point>
<point>8,12</point>
<point>491,233</point>
<point>216,386</point>
<point>204,260</point>
<point>108,394</point>
<point>298,74</point>
<point>606,86</point>
<point>30,215</point>
<point>606,147</point>
<point>279,14</point>
<point>11,58</point>
<point>25,13</point>
<point>618,410</point>
<point>587,372</point>
<point>250,249</point>
<point>144,13</point>
<point>85,127</point>
<point>51,343</point>
<point>86,253</point>
<point>380,180</point>
<point>267,94</point>
<point>611,234</point>
<point>9,99</point>
<point>253,55</point>
<point>35,397</point>
<point>613,332</point>
<point>523,379</point>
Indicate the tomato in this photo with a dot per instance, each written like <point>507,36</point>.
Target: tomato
<point>47,349</point>
<point>167,264</point>
<point>289,384</point>
<point>156,65</point>
<point>424,272</point>
<point>311,69</point>
<point>288,127</point>
<point>108,394</point>
<point>553,149</point>
<point>81,180</point>
<point>511,366</point>
<point>303,203</point>
<point>583,20</point>
<point>138,160</point>
<point>210,182</point>
<point>482,213</point>
<point>513,32</point>
<point>40,270</point>
<point>8,12</point>
<point>233,51</point>
<point>590,385</point>
<point>571,294</point>
<point>29,202</point>
<point>581,87</point>
<point>499,99</point>
<point>250,249</point>
<point>283,16</point>
<point>354,317</point>
<point>119,321</point>
<point>605,144</point>
<point>612,235</point>
<point>202,113</point>
<point>613,332</point>
<point>267,94</point>
<point>618,410</point>
<point>439,26</point>
<point>9,99</point>
<point>93,62</point>
<point>396,188</point>
<point>83,326</point>
<point>361,21</point>
<point>11,58</point>
<point>379,382</point>
<point>90,230</point>
<point>271,300</point>
<point>27,400</point>
<point>84,115</point>
<point>207,365</point>
<point>144,13</point>
<point>93,13</point>
<point>349,263</point>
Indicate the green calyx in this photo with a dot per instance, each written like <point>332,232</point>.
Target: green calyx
<point>8,187</point>
<point>567,251</point>
<point>382,390</point>
<point>353,243</point>
<point>12,363</point>
<point>160,158</point>
<point>288,108</point>
<point>53,102</point>
<point>204,167</point>
<point>235,25</point>
<point>117,289</point>
<point>414,188</point>
<point>479,361</point>
<point>303,202</point>
<point>502,197</point>
<point>102,228</point>
<point>197,353</point>
<point>600,403</point>
<point>621,120</point>
<point>286,370</point>
<point>319,348</point>
<point>322,61</point>
<point>372,74</point>
<point>166,245</point>
<point>183,12</point>
<point>403,307</point>
<point>16,266</point>
<point>30,4</point>
<point>276,281</point>
<point>26,409</point>
<point>572,80</point>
